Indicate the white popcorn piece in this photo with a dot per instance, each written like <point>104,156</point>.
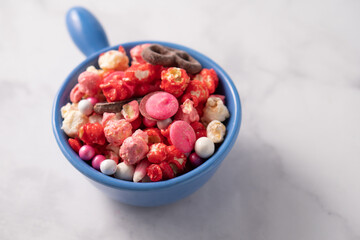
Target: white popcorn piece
<point>95,118</point>
<point>73,121</point>
<point>214,110</point>
<point>114,60</point>
<point>94,70</point>
<point>68,108</point>
<point>216,131</point>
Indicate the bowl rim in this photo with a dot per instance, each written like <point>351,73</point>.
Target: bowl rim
<point>109,181</point>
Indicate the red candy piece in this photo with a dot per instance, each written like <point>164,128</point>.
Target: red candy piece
<point>197,92</point>
<point>145,88</point>
<point>199,128</point>
<point>115,88</point>
<point>182,136</point>
<point>135,53</point>
<point>92,133</point>
<point>157,153</point>
<point>176,158</point>
<point>154,172</point>
<point>75,144</point>
<point>167,171</point>
<point>136,123</point>
<point>174,81</point>
<point>142,73</point>
<point>162,105</point>
<point>154,136</point>
<point>200,109</point>
<point>209,78</point>
<point>121,49</point>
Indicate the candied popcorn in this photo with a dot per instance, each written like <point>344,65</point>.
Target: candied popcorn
<point>209,78</point>
<point>187,112</point>
<point>174,80</point>
<point>214,110</point>
<point>116,131</point>
<point>135,53</point>
<point>216,131</point>
<point>114,59</point>
<point>197,92</point>
<point>72,122</point>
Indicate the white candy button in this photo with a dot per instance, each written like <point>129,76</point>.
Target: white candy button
<point>108,167</point>
<point>124,171</point>
<point>204,147</point>
<point>85,107</point>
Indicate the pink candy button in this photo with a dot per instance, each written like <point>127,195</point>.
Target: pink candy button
<point>162,105</point>
<point>182,136</point>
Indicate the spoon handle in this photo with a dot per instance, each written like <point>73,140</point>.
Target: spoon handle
<point>85,30</point>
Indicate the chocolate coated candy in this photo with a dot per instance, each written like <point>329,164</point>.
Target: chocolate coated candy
<point>168,57</point>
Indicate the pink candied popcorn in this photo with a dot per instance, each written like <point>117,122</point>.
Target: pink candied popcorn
<point>116,131</point>
<point>133,150</point>
<point>110,116</point>
<point>141,134</point>
<point>135,53</point>
<point>89,83</point>
<point>130,111</point>
<point>187,112</point>
<point>75,94</point>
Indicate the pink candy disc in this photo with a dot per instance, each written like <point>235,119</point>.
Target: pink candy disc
<point>162,105</point>
<point>142,106</point>
<point>182,136</point>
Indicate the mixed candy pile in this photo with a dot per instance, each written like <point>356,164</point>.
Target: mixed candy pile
<point>151,121</point>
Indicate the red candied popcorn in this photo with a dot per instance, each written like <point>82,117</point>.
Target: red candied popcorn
<point>176,158</point>
<point>154,136</point>
<point>154,172</point>
<point>157,153</point>
<point>112,155</point>
<point>75,144</point>
<point>121,49</point>
<point>136,123</point>
<point>209,78</point>
<point>174,80</point>
<point>75,94</point>
<point>199,128</point>
<point>166,133</point>
<point>200,109</point>
<point>145,88</point>
<point>135,53</point>
<point>196,92</point>
<point>167,171</point>
<point>142,73</point>
<point>92,133</point>
<point>115,88</point>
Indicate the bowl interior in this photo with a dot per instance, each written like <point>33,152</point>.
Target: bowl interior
<point>226,87</point>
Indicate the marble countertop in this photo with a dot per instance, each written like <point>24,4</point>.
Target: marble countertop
<point>294,172</point>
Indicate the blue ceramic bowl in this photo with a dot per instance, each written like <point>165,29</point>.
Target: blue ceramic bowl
<point>81,27</point>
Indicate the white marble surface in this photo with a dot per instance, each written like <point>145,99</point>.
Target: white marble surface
<point>294,172</point>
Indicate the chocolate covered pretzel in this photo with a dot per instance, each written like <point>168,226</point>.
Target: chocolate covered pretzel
<point>157,54</point>
<point>112,107</point>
